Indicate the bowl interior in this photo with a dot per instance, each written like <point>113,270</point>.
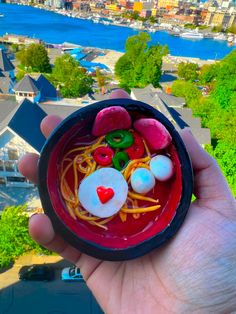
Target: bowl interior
<point>120,235</point>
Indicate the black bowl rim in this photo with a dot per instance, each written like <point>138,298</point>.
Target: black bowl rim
<point>89,247</point>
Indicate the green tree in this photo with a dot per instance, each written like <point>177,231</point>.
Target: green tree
<point>152,19</point>
<point>217,111</point>
<point>141,64</point>
<point>188,71</point>
<point>225,155</point>
<point>224,91</point>
<point>151,72</point>
<point>208,73</point>
<point>231,29</point>
<point>15,47</point>
<point>187,90</point>
<point>190,26</point>
<point>217,29</point>
<point>71,77</point>
<point>14,236</point>
<point>36,57</point>
<point>20,74</point>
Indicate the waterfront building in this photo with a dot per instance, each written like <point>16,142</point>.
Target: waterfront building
<point>220,18</point>
<point>7,75</point>
<point>58,4</point>
<point>138,6</point>
<point>19,39</point>
<point>168,4</point>
<point>178,19</point>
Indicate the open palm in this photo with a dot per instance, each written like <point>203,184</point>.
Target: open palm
<point>194,273</point>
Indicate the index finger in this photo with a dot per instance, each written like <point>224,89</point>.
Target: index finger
<point>49,123</point>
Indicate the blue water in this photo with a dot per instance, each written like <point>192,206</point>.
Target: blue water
<point>55,28</point>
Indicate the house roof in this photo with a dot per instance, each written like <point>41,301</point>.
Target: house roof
<point>179,116</point>
<point>61,110</point>
<point>5,63</point>
<point>8,107</point>
<point>5,83</point>
<point>46,88</point>
<point>147,93</point>
<point>27,84</point>
<point>172,108</point>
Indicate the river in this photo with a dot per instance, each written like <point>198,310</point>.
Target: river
<point>56,28</point>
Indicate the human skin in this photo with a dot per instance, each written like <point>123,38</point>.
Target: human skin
<point>195,272</point>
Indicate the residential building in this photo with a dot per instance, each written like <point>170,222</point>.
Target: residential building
<point>168,4</point>
<point>27,88</point>
<point>35,90</point>
<point>19,39</point>
<point>7,75</point>
<point>220,18</point>
<point>12,147</point>
<point>178,19</point>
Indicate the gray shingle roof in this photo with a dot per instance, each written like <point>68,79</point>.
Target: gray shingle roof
<point>27,84</point>
<point>8,107</point>
<point>5,63</point>
<point>5,83</point>
<point>180,117</point>
<point>61,110</point>
<point>172,108</point>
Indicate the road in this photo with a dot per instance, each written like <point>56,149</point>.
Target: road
<point>55,297</point>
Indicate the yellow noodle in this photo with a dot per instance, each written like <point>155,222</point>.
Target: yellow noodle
<point>85,157</point>
<point>142,197</point>
<point>140,210</point>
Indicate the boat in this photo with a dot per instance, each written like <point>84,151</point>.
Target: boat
<point>220,36</point>
<point>1,15</point>
<point>136,25</point>
<point>230,39</point>
<point>152,29</point>
<point>96,20</point>
<point>191,35</point>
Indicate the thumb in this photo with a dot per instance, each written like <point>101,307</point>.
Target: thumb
<point>209,182</point>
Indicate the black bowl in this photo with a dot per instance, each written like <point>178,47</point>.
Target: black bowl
<point>127,240</point>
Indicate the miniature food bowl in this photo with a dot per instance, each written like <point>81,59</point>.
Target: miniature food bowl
<point>140,206</point>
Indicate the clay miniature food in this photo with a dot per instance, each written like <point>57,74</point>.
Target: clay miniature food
<point>118,171</point>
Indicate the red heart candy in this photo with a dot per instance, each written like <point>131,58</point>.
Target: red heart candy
<point>105,194</point>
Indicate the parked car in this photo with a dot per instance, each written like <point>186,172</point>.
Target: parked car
<point>71,274</point>
<point>37,273</point>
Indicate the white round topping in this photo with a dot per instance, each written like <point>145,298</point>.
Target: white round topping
<point>162,167</point>
<point>102,182</point>
<point>142,180</point>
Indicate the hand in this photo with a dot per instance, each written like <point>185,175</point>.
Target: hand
<point>194,273</point>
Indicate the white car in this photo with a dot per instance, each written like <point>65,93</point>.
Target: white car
<point>71,274</point>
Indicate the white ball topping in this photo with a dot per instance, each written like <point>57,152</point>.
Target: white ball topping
<point>142,180</point>
<point>162,167</point>
<point>108,178</point>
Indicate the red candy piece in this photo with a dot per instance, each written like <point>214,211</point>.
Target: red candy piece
<point>137,149</point>
<point>111,119</point>
<point>103,155</point>
<point>154,132</point>
<point>105,194</point>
